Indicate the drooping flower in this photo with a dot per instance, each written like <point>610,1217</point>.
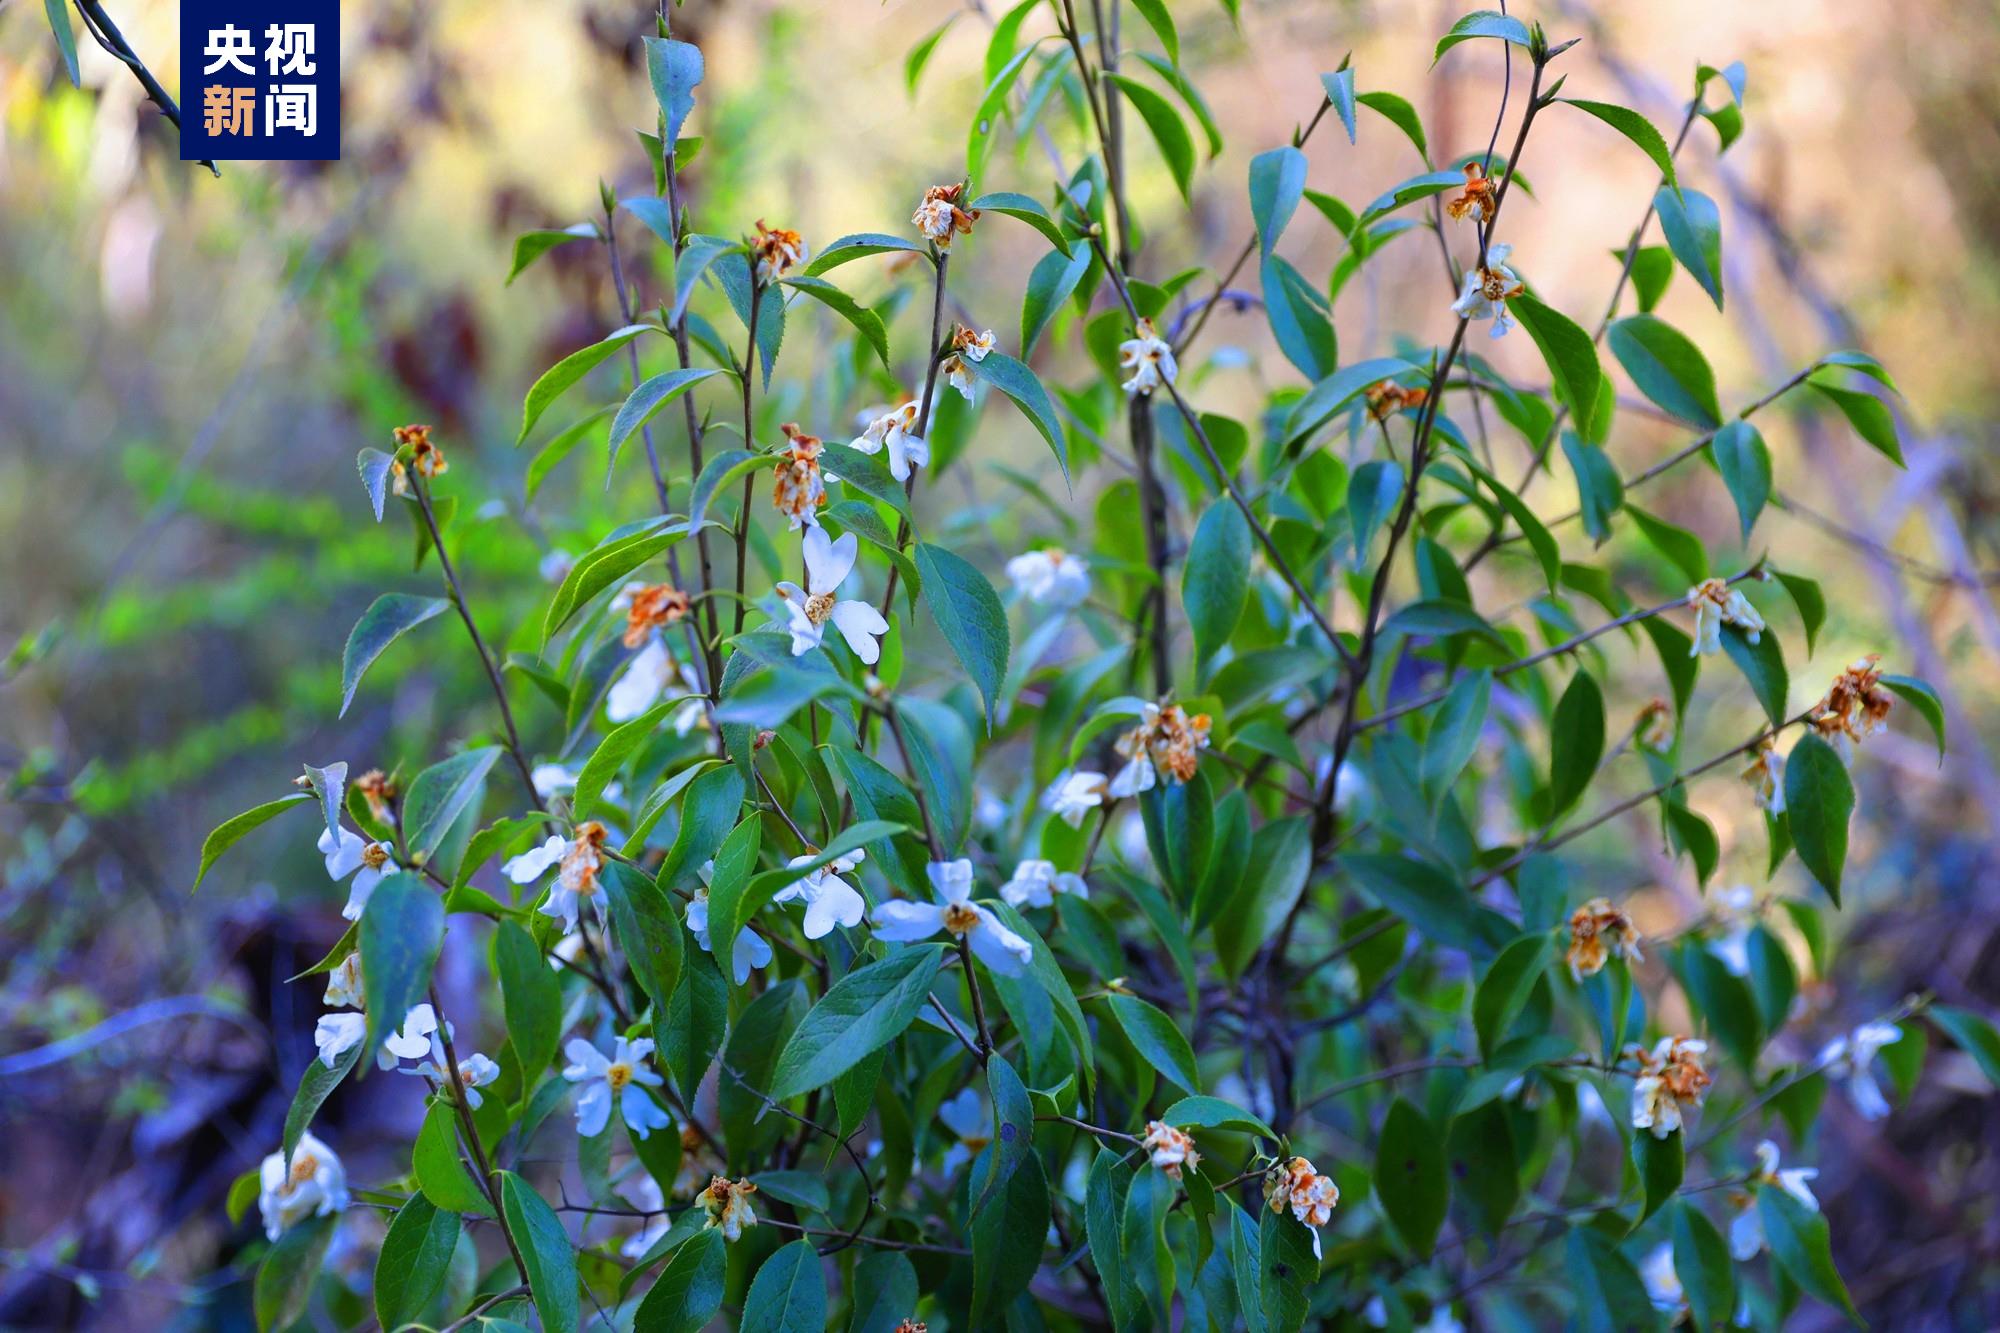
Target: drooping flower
<point>1488,289</point>
<point>1765,775</point>
<point>828,563</point>
<point>651,607</point>
<point>314,1185</point>
<point>727,1203</point>
<point>580,858</point>
<point>799,489</point>
<point>1717,604</point>
<point>379,791</point>
<point>1746,1228</point>
<point>956,914</point>
<point>1035,884</point>
<point>337,1034</point>
<point>343,984</point>
<point>1050,576</point>
<point>1663,1284</point>
<point>1855,707</point>
<point>425,457</point>
<point>830,900</point>
<point>1599,932</point>
<point>1653,728</point>
<point>1386,398</point>
<point>751,950</point>
<point>965,346</point>
<point>1171,1148</point>
<point>475,1071</point>
<point>777,251</point>
<point>1166,742</point>
<point>1298,1185</point>
<point>1672,1080</point>
<point>369,862</point>
<point>939,217</point>
<point>622,1077</point>
<point>1074,794</point>
<point>1851,1059</point>
<point>896,431</point>
<point>1149,357</point>
<point>650,676</point>
<point>1475,201</point>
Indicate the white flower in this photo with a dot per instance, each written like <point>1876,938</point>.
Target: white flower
<point>646,677</point>
<point>1170,1148</point>
<point>1149,357</point>
<point>474,1071</point>
<point>828,563</point>
<point>1487,289</point>
<point>579,859</point>
<point>1312,1197</point>
<point>1717,604</point>
<point>555,565</point>
<point>354,855</point>
<point>1746,1229</point>
<point>532,864</point>
<point>343,984</point>
<point>1074,794</point>
<point>338,1034</point>
<point>1672,1081</point>
<point>955,913</point>
<point>1050,577</point>
<point>1766,775</point>
<point>751,949</point>
<point>1036,882</point>
<point>1737,906</point>
<point>553,780</point>
<point>1663,1284</point>
<point>966,346</point>
<point>1852,1058</point>
<point>727,1203</point>
<point>829,899</point>
<point>315,1185</point>
<point>646,1196</point>
<point>966,1115</point>
<point>896,432</point>
<point>621,1077</point>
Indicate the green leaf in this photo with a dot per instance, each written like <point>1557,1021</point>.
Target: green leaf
<point>1745,464</point>
<point>1681,667</point>
<point>1339,87</point>
<point>1454,735</point>
<point>969,612</point>
<point>1050,283</point>
<point>387,618</point>
<point>402,930</point>
<point>1576,742</point>
<point>1484,1163</point>
<point>1568,350</point>
<point>1801,1243</point>
<point>999,84</point>
<point>1912,691</point>
<point>688,1292</point>
<point>1773,979</point>
<point>1411,1186</point>
<point>1763,665</point>
<point>1025,209</point>
<point>1007,1243</point>
<point>884,1290</point>
<point>439,796</point>
<point>789,1293</point>
<point>231,831</point>
<point>1398,112</point>
<point>607,563</point>
<point>860,316</point>
<point>1693,228</point>
<point>545,1249</point>
<point>1156,1038</point>
<point>1676,543</point>
<point>1168,129</point>
<point>1421,186</point>
<point>1610,1298</point>
<point>1600,492</point>
<point>859,1015</point>
<point>1203,1112</point>
<point>1861,363</point>
<point>285,1279</point>
<point>1015,380</point>
<point>1702,1262</point>
<point>441,1176</point>
<point>1439,618</point>
<point>415,1257</point>
<point>1191,96</point>
<point>1013,1132</point>
<point>1652,270</point>
<point>1973,1035</point>
<point>1371,497</point>
<point>610,756</point>
<point>1668,368</point>
<point>1809,600</point>
<point>675,70</point>
<point>1284,1269</point>
<point>1819,797</point>
<point>1215,580</point>
<point>1277,183</point>
<point>58,12</point>
<point>859,246</point>
<point>532,245</point>
<point>1336,391</point>
<point>1695,836</point>
<point>1162,23</point>
<point>652,395</point>
<point>315,1085</point>
<point>558,379</point>
<point>1483,23</point>
<point>530,996</point>
<point>1275,874</point>
<point>329,787</point>
<point>1504,990</point>
<point>649,931</point>
<point>1547,553</point>
<point>375,468</point>
<point>1869,416</point>
<point>696,258</point>
<point>920,55</point>
<point>1661,1163</point>
<point>1636,128</point>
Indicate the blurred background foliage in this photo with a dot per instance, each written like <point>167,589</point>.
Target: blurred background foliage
<point>188,365</point>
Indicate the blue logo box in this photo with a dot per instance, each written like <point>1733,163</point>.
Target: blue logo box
<point>260,80</point>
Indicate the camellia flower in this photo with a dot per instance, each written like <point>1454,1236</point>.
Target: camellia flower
<point>1717,604</point>
<point>1050,577</point>
<point>1166,741</point>
<point>830,900</point>
<point>913,1326</point>
<point>1766,775</point>
<point>1387,398</point>
<point>474,1071</point>
<point>939,217</point>
<point>956,914</point>
<point>1653,729</point>
<point>828,563</point>
<point>337,1034</point>
<point>896,431</point>
<point>425,457</point>
<point>751,950</point>
<point>1855,707</point>
<point>1476,200</point>
<point>652,607</point>
<point>343,984</point>
<point>1746,1229</point>
<point>1149,357</point>
<point>970,1121</point>
<point>378,791</point>
<point>354,855</point>
<point>580,858</point>
<point>777,251</point>
<point>1171,1148</point>
<point>1671,1080</point>
<point>1663,1284</point>
<point>1036,883</point>
<point>965,346</point>
<point>1297,1185</point>
<point>1074,794</point>
<point>799,490</point>
<point>727,1203</point>
<point>623,1078</point>
<point>1598,932</point>
<point>314,1185</point>
<point>1852,1058</point>
<point>651,676</point>
<point>1487,289</point>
